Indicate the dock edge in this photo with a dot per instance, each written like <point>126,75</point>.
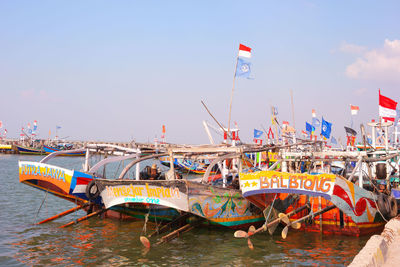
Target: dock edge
<point>375,251</point>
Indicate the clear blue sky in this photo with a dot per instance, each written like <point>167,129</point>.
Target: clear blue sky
<point>116,70</point>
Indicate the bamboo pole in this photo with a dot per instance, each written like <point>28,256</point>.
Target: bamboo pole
<point>233,87</point>
<point>63,213</point>
<point>83,218</point>
<point>209,112</point>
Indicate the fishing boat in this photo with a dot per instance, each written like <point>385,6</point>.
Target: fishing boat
<point>5,148</point>
<point>187,165</point>
<point>335,204</point>
<point>67,183</point>
<point>219,205</point>
<point>30,150</point>
<point>65,149</point>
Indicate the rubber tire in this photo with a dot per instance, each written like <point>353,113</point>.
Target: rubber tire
<point>387,206</point>
<point>90,195</point>
<point>393,207</point>
<point>383,205</point>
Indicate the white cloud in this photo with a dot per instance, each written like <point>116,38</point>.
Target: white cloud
<point>378,64</point>
<point>352,48</point>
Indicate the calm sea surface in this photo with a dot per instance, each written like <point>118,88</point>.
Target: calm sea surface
<point>106,242</point>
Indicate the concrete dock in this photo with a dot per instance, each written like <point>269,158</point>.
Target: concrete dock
<point>383,249</point>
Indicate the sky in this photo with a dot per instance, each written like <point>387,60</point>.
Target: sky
<point>119,70</point>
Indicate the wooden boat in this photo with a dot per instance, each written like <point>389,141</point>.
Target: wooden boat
<point>6,148</point>
<point>187,165</point>
<point>197,166</point>
<point>61,182</point>
<point>30,150</point>
<point>64,183</point>
<point>135,197</point>
<point>219,206</point>
<point>356,210</point>
<point>66,153</point>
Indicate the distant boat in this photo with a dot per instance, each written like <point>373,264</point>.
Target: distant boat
<point>5,147</point>
<point>49,150</point>
<point>30,150</point>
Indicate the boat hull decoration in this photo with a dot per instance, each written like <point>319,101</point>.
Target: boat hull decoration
<point>29,150</point>
<point>49,150</point>
<point>356,211</point>
<point>219,206</point>
<point>65,183</point>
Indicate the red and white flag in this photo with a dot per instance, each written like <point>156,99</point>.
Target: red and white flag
<point>354,109</point>
<point>313,113</point>
<point>244,51</point>
<point>387,108</point>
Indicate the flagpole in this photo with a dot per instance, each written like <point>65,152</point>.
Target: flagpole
<point>230,103</point>
<point>351,121</point>
<point>291,97</point>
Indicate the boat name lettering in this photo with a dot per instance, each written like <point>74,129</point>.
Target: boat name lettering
<point>302,182</point>
<point>150,200</point>
<point>30,169</point>
<point>146,191</point>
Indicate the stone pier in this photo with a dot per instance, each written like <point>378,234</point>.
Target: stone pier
<point>383,249</point>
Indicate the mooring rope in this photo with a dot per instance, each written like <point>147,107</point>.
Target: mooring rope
<point>146,219</point>
<point>44,199</point>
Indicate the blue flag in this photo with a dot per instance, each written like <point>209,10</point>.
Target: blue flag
<point>309,128</point>
<point>58,127</point>
<point>326,128</point>
<point>369,140</point>
<point>333,140</point>
<point>257,133</point>
<point>243,68</point>
<point>315,122</point>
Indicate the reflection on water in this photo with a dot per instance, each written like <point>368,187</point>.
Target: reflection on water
<point>108,242</point>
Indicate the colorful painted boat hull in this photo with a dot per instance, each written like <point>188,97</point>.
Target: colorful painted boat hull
<point>29,151</point>
<point>49,150</point>
<point>356,213</point>
<point>71,185</point>
<point>61,182</point>
<point>220,206</point>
